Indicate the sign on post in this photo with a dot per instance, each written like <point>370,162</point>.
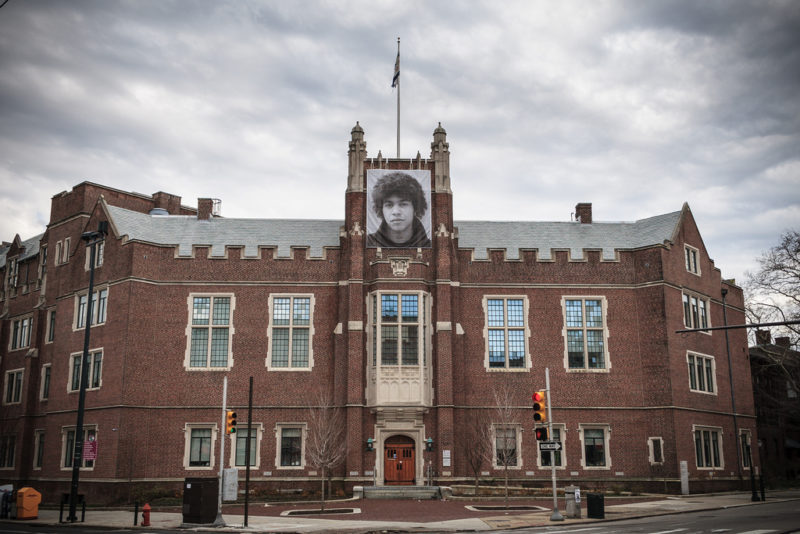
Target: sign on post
<point>550,445</point>
<point>90,449</point>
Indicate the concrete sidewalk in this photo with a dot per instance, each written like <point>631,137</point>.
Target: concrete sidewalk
<point>468,520</point>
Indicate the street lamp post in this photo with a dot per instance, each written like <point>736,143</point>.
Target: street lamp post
<point>92,239</point>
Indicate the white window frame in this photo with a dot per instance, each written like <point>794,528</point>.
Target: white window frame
<point>187,445</point>
<point>564,332</point>
<point>21,332</point>
<point>62,251</point>
<point>518,437</point>
<point>375,333</point>
<point>691,358</point>
<point>582,428</point>
<point>562,430</point>
<point>46,381</point>
<point>255,452</point>
<point>745,440</point>
<point>98,256</point>
<point>720,446</point>
<point>689,320</point>
<point>17,386</point>
<point>88,430</point>
<point>525,328</point>
<point>38,450</point>
<point>691,259</point>
<point>99,313</point>
<point>50,334</point>
<point>651,453</point>
<point>291,327</point>
<point>279,428</point>
<point>8,460</point>
<point>93,353</point>
<point>187,361</point>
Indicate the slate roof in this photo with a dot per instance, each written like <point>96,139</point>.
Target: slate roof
<point>30,246</point>
<point>186,231</point>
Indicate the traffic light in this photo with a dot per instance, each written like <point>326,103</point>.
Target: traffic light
<point>541,434</point>
<point>230,422</point>
<point>540,407</point>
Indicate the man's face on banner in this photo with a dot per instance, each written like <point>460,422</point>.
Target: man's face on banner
<point>398,213</point>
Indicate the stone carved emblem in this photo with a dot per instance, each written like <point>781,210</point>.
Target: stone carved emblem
<point>400,266</point>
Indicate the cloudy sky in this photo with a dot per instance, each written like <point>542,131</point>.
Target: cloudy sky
<point>634,106</point>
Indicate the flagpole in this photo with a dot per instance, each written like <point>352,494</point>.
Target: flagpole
<point>398,101</point>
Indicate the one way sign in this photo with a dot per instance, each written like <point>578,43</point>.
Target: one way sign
<point>550,445</point>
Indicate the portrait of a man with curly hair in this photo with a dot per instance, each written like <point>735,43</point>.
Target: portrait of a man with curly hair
<point>400,215</point>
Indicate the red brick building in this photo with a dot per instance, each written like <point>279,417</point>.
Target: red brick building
<point>410,342</point>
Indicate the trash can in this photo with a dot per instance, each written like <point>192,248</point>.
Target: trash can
<point>28,500</point>
<point>572,495</point>
<point>595,507</point>
<point>200,500</point>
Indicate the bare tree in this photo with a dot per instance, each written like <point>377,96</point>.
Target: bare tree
<point>477,444</point>
<point>505,427</point>
<point>326,447</point>
<point>773,295</point>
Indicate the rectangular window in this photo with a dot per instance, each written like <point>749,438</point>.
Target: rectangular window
<point>51,326</point>
<point>45,393</point>
<point>695,311</point>
<point>505,320</point>
<point>585,333</point>
<point>59,253</point>
<point>702,370</point>
<point>95,371</point>
<point>744,440</point>
<point>397,329</point>
<point>594,447</point>
<point>13,274</point>
<point>38,449</point>
<point>42,263</point>
<point>98,255</point>
<point>291,327</point>
<point>13,386</point>
<point>200,447</point>
<point>21,333</point>
<point>656,450</point>
<point>505,446</point>
<point>707,443</point>
<point>241,447</point>
<point>68,447</point>
<point>550,458</point>
<point>210,333</point>
<point>99,305</point>
<point>291,447</point>
<point>7,451</point>
<point>691,255</point>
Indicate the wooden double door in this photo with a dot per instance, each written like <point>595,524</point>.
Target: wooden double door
<point>398,461</point>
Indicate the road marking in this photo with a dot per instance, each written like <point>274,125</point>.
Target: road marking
<point>670,531</point>
<point>767,531</point>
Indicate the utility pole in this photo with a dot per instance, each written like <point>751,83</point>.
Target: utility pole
<point>556,515</point>
<point>219,522</point>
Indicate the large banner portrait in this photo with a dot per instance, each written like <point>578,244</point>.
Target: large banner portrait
<point>398,208</point>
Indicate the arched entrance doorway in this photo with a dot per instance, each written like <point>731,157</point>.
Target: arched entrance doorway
<point>398,461</point>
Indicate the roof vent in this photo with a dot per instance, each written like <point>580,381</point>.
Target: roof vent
<point>159,211</point>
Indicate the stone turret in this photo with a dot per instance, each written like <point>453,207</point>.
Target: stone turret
<point>356,156</point>
<point>440,154</point>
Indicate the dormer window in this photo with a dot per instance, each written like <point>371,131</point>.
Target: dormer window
<point>691,254</point>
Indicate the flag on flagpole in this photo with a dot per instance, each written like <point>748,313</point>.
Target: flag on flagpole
<point>396,78</point>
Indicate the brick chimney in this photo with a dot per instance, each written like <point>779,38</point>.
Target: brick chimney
<point>784,342</point>
<point>583,212</point>
<point>168,202</point>
<point>205,208</point>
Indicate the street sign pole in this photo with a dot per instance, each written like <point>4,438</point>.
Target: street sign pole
<point>219,521</point>
<point>556,516</point>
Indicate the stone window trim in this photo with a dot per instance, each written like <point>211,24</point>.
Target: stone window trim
<point>88,430</point>
<point>605,336</point>
<point>38,451</point>
<point>95,376</point>
<point>606,428</point>
<point>717,438</point>
<point>189,327</point>
<point>258,431</point>
<point>13,384</point>
<point>279,428</point>
<point>45,382</point>
<point>562,430</point>
<point>691,256</point>
<point>20,333</point>
<point>99,307</point>
<point>526,329</point>
<point>187,433</point>
<point>653,449</point>
<point>62,251</point>
<point>8,451</point>
<point>99,252</point>
<point>518,428</point>
<point>51,326</point>
<point>745,443</point>
<point>696,310</point>
<point>291,327</point>
<point>375,324</point>
<point>699,381</point>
